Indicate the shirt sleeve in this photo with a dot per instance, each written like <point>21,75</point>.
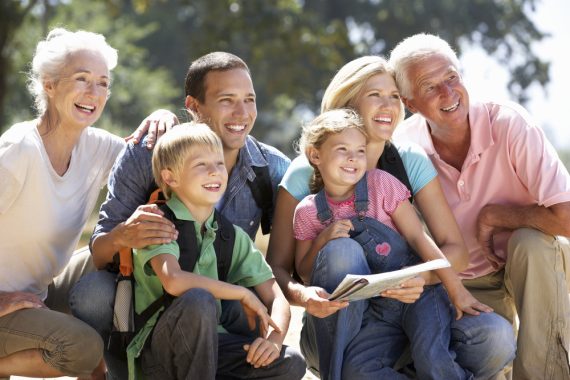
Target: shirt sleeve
<point>13,171</point>
<point>248,267</point>
<point>535,160</point>
<point>417,164</point>
<point>306,225</point>
<point>144,255</point>
<point>130,185</point>
<point>297,177</point>
<point>386,186</point>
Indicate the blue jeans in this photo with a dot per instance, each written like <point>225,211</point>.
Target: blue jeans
<point>483,344</point>
<point>92,300</point>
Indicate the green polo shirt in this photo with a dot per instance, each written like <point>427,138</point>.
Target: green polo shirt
<point>248,268</point>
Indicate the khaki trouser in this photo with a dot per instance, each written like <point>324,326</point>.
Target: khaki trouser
<point>534,287</point>
<point>67,344</point>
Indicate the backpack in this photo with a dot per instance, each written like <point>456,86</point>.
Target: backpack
<point>391,162</point>
<point>262,190</point>
<point>127,323</point>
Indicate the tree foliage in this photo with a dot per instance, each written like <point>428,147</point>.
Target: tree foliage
<point>293,47</point>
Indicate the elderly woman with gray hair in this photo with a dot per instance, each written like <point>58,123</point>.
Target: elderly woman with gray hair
<point>51,171</point>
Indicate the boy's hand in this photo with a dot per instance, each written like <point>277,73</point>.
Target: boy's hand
<point>335,230</point>
<point>157,123</point>
<point>254,309</point>
<point>317,303</point>
<point>464,302</point>
<point>262,352</point>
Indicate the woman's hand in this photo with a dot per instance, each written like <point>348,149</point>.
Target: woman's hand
<point>253,309</point>
<point>14,301</point>
<point>410,291</point>
<point>157,123</point>
<point>464,302</point>
<point>262,352</point>
<point>317,303</point>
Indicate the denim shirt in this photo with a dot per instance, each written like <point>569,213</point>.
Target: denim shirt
<point>131,183</point>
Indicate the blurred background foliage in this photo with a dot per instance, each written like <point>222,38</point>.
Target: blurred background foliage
<point>293,48</point>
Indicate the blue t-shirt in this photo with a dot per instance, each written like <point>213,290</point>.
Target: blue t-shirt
<point>418,166</point>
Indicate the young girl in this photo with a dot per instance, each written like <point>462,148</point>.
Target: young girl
<point>363,213</point>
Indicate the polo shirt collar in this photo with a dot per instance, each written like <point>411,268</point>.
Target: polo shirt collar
<point>182,213</point>
<point>481,135</point>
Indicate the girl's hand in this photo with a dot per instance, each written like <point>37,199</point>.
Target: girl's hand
<point>254,309</point>
<point>262,352</point>
<point>464,302</point>
<point>335,230</point>
<point>410,291</point>
<point>317,303</point>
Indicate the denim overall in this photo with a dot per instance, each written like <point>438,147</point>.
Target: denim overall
<point>365,340</point>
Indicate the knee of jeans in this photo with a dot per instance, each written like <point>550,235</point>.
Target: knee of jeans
<point>295,363</point>
<point>488,338</point>
<point>337,258</point>
<point>199,301</point>
<point>79,356</point>
<point>92,299</point>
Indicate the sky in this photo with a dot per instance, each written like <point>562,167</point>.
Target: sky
<point>485,78</point>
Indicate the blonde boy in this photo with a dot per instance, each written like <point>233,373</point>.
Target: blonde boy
<point>188,340</point>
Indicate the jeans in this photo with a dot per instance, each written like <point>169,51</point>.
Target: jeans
<point>185,344</point>
<point>92,300</point>
<point>483,344</point>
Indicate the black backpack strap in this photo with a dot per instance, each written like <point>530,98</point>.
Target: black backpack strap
<point>224,245</point>
<point>391,162</point>
<point>262,190</point>
<point>187,242</point>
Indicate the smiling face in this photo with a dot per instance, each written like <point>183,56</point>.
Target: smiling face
<point>202,179</point>
<point>229,106</point>
<point>341,160</point>
<point>379,105</point>
<point>80,95</point>
<point>438,93</point>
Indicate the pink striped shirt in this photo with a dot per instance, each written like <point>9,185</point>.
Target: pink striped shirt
<point>385,193</point>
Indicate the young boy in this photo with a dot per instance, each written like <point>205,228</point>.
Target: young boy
<point>188,339</point>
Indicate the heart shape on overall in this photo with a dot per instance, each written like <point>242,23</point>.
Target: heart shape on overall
<point>383,249</point>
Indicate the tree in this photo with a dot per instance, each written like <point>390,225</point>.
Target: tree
<point>293,47</point>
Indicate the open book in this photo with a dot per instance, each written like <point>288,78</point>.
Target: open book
<point>357,287</point>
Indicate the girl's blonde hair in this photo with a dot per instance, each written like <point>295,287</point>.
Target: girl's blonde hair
<point>175,146</point>
<point>318,131</point>
<point>350,79</point>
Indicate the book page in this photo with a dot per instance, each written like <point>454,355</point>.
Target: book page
<point>356,287</point>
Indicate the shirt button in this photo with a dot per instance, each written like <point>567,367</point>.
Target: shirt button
<point>251,223</point>
<point>461,183</point>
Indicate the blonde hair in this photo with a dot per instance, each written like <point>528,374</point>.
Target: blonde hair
<point>53,54</point>
<point>175,146</point>
<point>350,79</point>
<point>414,49</point>
<point>318,131</point>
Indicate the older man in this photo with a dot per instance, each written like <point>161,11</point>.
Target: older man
<point>510,194</point>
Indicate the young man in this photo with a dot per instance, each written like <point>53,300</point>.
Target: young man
<point>509,193</point>
<point>219,92</point>
<point>188,165</point>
